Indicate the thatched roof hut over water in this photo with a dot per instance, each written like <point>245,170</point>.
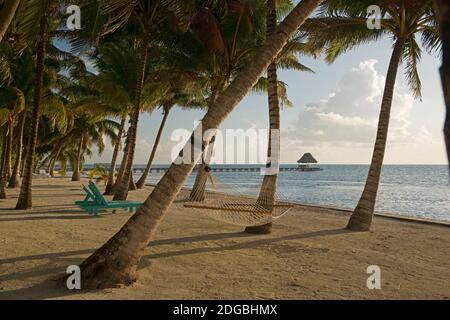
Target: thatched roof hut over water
<point>307,158</point>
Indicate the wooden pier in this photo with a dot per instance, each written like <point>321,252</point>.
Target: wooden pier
<point>229,169</point>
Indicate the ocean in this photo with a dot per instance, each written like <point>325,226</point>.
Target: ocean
<point>410,190</point>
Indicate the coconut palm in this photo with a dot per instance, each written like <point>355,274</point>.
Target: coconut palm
<point>269,184</point>
<point>115,155</point>
<point>182,92</point>
<point>116,262</point>
<point>230,33</point>
<point>243,52</point>
<point>444,18</point>
<point>344,27</point>
<point>146,18</point>
<point>7,12</point>
<point>22,75</point>
<point>12,104</point>
<point>116,64</point>
<point>35,15</point>
<point>88,130</point>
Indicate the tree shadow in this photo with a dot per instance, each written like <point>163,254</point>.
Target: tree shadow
<point>50,288</point>
<point>249,244</point>
<point>34,218</point>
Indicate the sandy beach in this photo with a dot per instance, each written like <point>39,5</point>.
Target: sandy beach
<point>308,256</point>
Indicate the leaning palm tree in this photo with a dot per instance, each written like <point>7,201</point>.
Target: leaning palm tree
<point>117,260</point>
<point>444,17</point>
<point>113,85</point>
<point>144,19</point>
<point>7,12</point>
<point>343,27</point>
<point>237,50</point>
<point>182,92</point>
<point>230,32</point>
<point>117,66</point>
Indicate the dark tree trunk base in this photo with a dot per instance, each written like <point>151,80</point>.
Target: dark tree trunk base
<point>100,275</point>
<point>109,190</point>
<point>108,267</point>
<point>360,221</point>
<point>265,229</point>
<point>13,182</point>
<point>24,204</point>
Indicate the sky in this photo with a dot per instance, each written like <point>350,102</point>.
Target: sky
<point>334,115</point>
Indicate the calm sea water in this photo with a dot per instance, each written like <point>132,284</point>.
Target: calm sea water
<point>410,190</point>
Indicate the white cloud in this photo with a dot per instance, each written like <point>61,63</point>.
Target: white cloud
<point>345,122</point>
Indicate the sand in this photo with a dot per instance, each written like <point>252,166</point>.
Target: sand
<point>309,255</point>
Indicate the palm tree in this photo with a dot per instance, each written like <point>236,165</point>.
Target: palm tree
<point>346,27</point>
<point>34,11</point>
<point>269,184</point>
<point>444,17</point>
<point>7,14</point>
<point>14,179</point>
<point>116,261</point>
<point>238,52</point>
<point>88,130</point>
<point>184,90</point>
<point>117,146</point>
<point>12,104</point>
<point>230,33</point>
<point>116,64</point>
<point>145,19</point>
<point>22,75</point>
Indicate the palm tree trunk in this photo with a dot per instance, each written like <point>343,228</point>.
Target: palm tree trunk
<point>362,216</point>
<point>112,171</point>
<point>117,260</point>
<point>51,168</point>
<point>132,186</point>
<point>7,15</point>
<point>7,145</point>
<point>76,166</point>
<point>444,17</point>
<point>14,180</point>
<point>122,189</point>
<point>268,189</point>
<point>9,150</point>
<point>199,188</point>
<point>54,155</point>
<point>121,172</point>
<point>3,162</point>
<point>25,196</point>
<point>140,184</point>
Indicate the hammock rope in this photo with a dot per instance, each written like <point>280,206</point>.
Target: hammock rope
<point>233,206</point>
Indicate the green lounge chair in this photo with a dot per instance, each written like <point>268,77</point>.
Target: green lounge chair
<point>94,202</point>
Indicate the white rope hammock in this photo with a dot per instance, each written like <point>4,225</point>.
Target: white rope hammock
<point>232,206</point>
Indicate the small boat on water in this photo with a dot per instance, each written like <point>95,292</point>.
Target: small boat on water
<point>307,163</point>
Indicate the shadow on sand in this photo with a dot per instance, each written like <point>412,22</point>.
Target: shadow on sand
<point>54,288</point>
